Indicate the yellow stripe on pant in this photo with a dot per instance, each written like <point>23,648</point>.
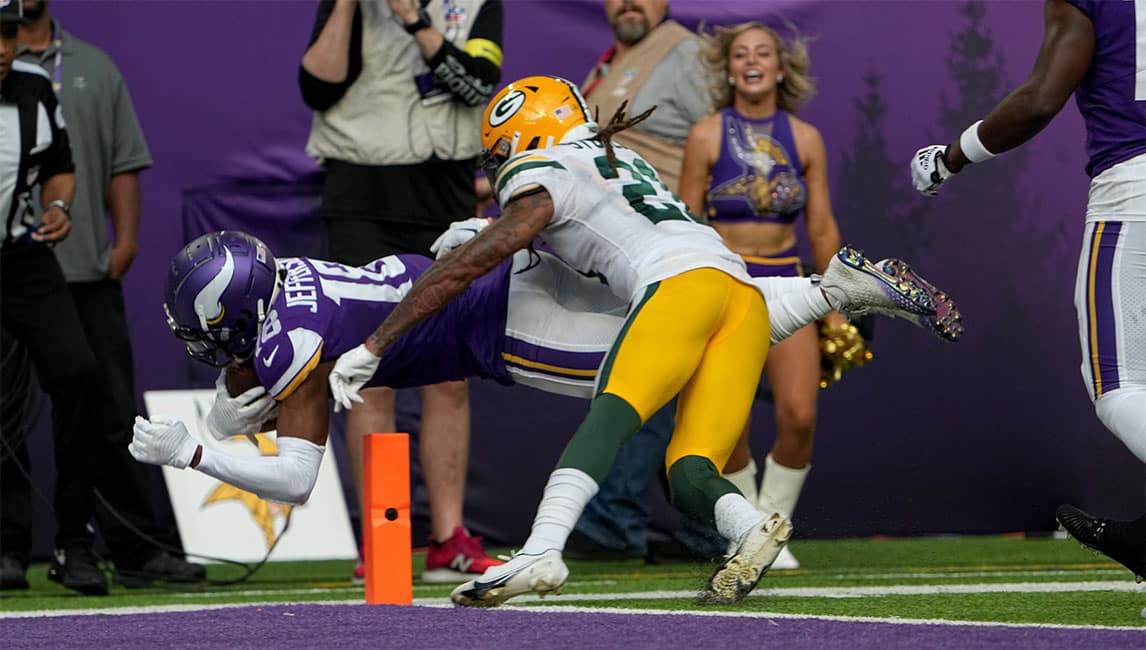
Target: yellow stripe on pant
<point>702,334</point>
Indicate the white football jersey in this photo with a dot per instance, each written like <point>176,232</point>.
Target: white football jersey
<point>625,228</point>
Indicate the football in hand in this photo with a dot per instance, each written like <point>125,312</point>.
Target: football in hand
<point>241,378</point>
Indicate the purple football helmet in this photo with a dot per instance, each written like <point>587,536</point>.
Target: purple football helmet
<point>219,289</point>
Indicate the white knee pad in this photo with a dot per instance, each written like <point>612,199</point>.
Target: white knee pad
<point>1123,411</point>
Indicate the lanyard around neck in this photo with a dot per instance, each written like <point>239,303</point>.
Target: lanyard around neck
<point>57,60</point>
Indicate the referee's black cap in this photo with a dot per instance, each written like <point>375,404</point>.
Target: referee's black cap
<point>12,11</point>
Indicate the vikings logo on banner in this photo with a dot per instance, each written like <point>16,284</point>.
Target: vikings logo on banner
<point>269,516</point>
<point>221,520</point>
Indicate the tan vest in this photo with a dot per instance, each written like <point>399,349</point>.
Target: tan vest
<point>619,85</point>
<point>381,119</point>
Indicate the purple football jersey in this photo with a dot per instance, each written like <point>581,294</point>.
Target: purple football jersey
<point>1111,98</point>
<point>324,309</point>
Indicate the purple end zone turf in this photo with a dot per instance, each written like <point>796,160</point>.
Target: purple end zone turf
<point>360,626</point>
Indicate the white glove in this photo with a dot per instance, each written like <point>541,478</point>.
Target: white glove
<point>350,373</point>
<point>162,442</point>
<point>239,416</point>
<point>928,171</point>
<point>457,234</point>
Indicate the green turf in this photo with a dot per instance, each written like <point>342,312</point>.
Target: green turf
<point>826,564</point>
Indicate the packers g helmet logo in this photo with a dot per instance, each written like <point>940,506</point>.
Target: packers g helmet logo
<point>535,112</point>
<point>506,108</point>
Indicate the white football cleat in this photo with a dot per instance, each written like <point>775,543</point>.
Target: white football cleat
<point>541,574</point>
<point>754,555</point>
<point>892,288</point>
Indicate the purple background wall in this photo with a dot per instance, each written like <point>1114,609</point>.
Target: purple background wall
<point>987,435</point>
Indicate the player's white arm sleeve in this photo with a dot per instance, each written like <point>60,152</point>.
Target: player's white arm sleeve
<point>286,478</point>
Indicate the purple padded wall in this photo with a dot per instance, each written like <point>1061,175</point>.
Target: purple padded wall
<point>985,436</point>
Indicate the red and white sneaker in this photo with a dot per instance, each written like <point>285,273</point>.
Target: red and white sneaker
<point>459,558</point>
<point>359,577</point>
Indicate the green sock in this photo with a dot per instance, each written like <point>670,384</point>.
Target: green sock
<point>609,423</point>
<point>695,486</point>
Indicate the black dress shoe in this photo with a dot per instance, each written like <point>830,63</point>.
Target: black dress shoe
<point>13,572</point>
<point>76,567</point>
<point>161,567</point>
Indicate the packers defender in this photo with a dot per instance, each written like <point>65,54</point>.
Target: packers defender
<point>693,327</point>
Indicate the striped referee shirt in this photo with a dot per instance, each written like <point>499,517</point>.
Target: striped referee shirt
<point>33,145</point>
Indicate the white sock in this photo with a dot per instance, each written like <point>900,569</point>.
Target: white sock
<point>566,494</point>
<point>792,304</point>
<point>745,480</point>
<point>1123,411</point>
<point>780,488</point>
<point>735,517</point>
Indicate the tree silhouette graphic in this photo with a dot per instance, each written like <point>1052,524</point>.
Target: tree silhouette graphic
<point>875,190</point>
<point>987,220</point>
<point>982,192</point>
<point>975,67</point>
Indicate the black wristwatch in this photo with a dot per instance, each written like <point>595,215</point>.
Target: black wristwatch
<point>421,23</point>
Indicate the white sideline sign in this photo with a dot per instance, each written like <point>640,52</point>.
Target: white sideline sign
<point>220,520</point>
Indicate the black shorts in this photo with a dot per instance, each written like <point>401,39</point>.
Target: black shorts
<point>357,242</point>
<point>374,211</point>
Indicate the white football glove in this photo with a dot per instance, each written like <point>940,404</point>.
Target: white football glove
<point>928,170</point>
<point>162,442</point>
<point>457,234</point>
<point>350,373</point>
<point>243,415</point>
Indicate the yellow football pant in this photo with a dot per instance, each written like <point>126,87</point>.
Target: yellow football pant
<point>702,334</point>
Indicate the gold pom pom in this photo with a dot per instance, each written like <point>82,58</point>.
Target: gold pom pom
<point>841,349</point>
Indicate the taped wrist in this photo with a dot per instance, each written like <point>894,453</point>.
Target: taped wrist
<point>287,478</point>
<point>972,146</point>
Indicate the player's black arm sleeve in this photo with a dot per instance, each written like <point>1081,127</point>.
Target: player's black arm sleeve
<point>319,95</point>
<point>471,73</point>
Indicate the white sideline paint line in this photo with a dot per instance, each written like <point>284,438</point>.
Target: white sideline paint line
<point>162,609</point>
<point>973,574</point>
<point>822,617</point>
<point>442,603</point>
<point>588,583</point>
<point>790,592</point>
<point>854,592</point>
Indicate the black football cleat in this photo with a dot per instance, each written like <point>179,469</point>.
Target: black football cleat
<point>1122,541</point>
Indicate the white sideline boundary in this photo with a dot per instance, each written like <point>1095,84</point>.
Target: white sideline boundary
<point>855,592</point>
<point>822,617</point>
<point>528,603</point>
